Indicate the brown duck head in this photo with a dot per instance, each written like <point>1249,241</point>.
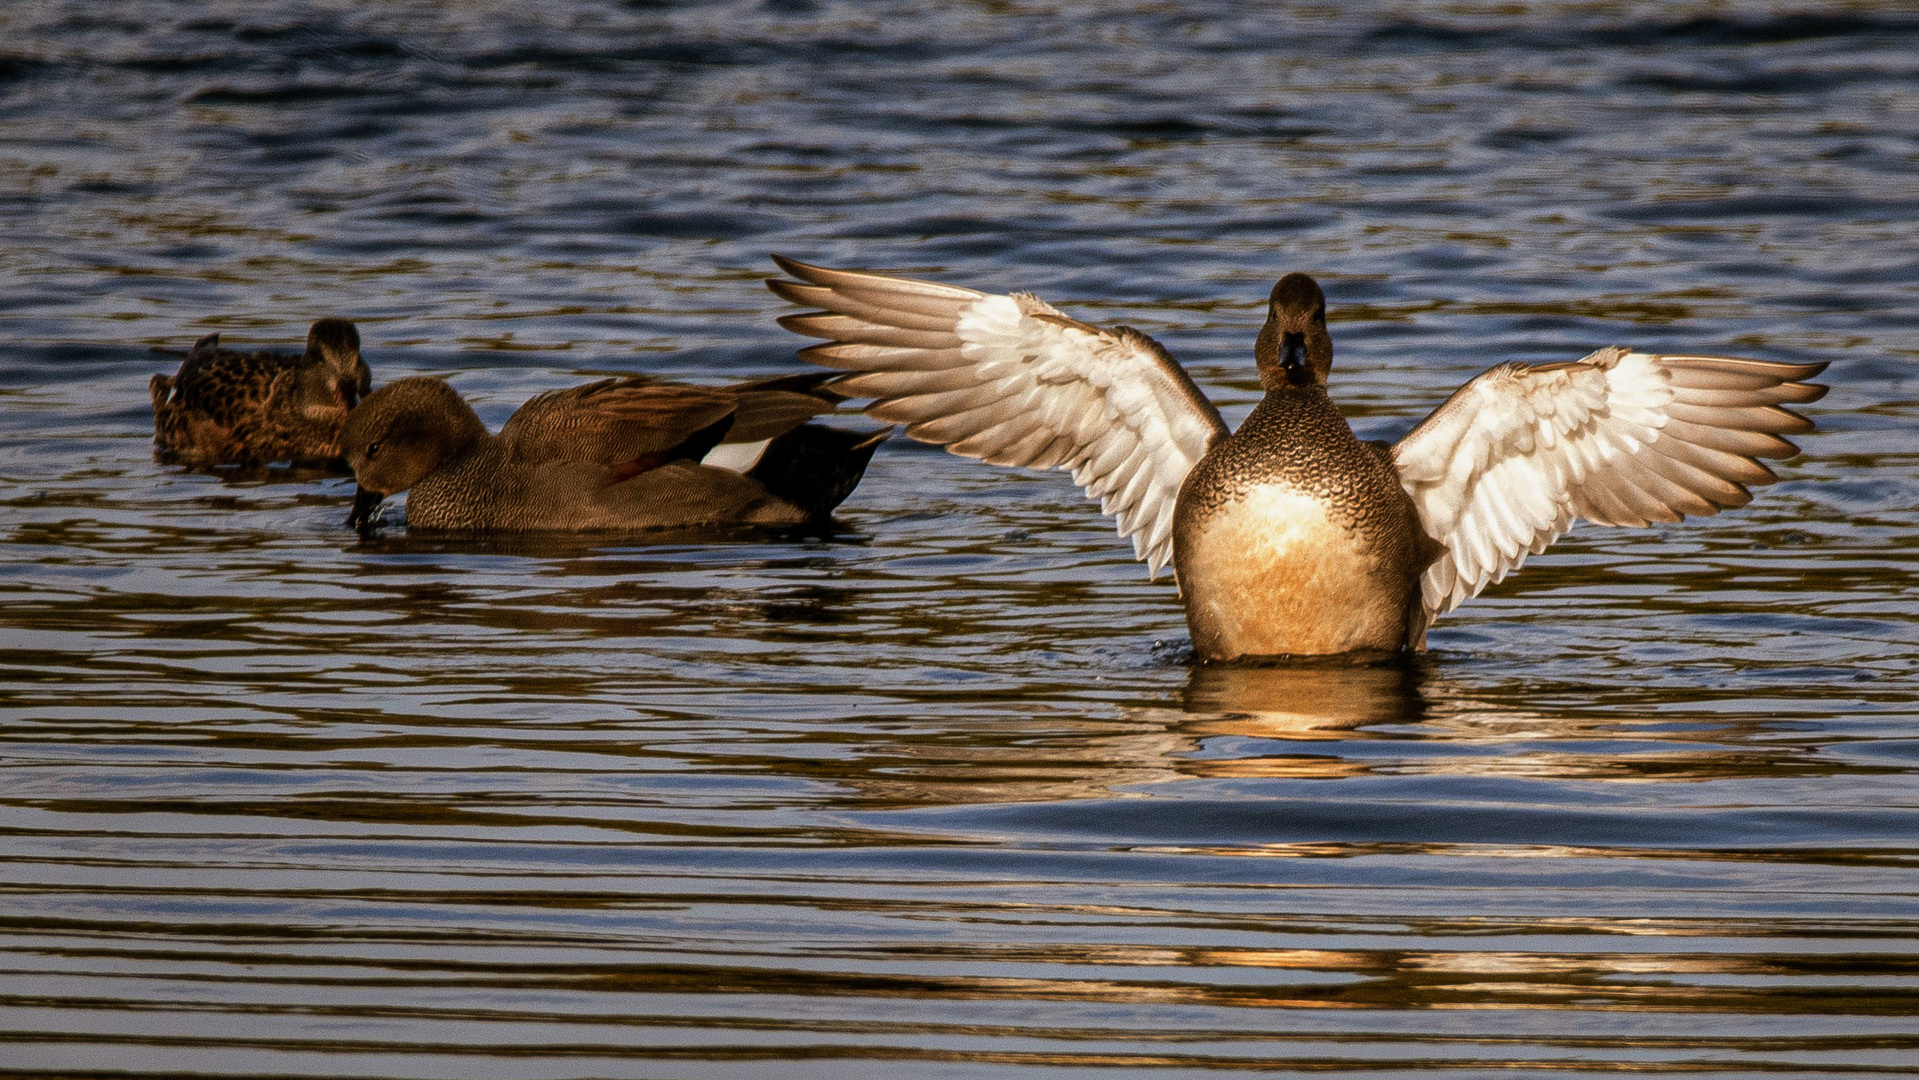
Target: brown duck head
<point>1294,348</point>
<point>335,344</point>
<point>403,433</point>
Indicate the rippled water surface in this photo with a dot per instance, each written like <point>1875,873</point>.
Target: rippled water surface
<point>942,795</point>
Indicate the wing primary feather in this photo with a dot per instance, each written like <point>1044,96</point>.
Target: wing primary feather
<point>1771,419</point>
<point>851,328</point>
<point>1773,370</point>
<point>867,280</point>
<point>1732,467</point>
<point>910,311</point>
<point>1718,491</point>
<point>898,384</point>
<point>858,357</point>
<point>1718,398</point>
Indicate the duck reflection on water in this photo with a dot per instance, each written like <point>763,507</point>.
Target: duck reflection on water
<point>1296,722</point>
<point>1300,699</point>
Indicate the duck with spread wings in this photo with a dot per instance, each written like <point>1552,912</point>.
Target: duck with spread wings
<point>1291,536</point>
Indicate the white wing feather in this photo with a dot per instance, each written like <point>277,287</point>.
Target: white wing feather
<point>1619,438</point>
<point>1011,381</point>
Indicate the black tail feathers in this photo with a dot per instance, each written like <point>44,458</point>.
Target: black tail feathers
<point>816,467</point>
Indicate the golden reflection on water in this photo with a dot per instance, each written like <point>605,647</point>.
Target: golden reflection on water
<point>1300,700</point>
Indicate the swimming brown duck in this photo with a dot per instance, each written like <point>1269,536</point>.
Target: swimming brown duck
<point>621,454</point>
<point>1291,536</point>
<point>225,407</point>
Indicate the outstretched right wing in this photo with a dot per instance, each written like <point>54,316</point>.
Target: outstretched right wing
<point>1011,381</point>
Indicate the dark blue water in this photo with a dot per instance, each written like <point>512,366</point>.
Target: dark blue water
<point>941,796</point>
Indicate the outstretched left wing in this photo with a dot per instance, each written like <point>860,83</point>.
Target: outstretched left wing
<point>1619,438</point>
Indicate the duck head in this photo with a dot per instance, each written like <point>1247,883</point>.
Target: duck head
<point>1294,348</point>
<point>336,344</point>
<point>400,435</point>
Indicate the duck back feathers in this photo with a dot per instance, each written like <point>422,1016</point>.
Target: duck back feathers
<point>618,454</point>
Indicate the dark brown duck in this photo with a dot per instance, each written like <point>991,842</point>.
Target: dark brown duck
<point>620,454</point>
<point>226,407</point>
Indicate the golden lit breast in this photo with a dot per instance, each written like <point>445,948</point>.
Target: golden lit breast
<point>1273,571</point>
